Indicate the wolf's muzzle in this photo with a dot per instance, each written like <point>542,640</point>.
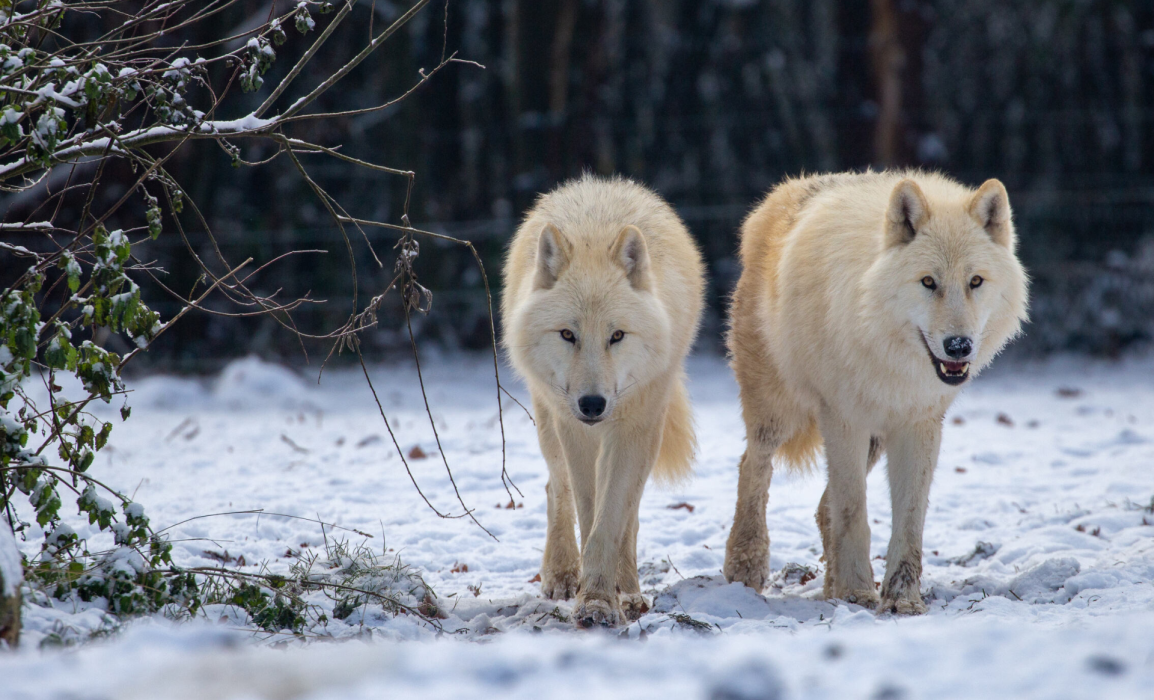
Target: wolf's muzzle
<point>951,372</point>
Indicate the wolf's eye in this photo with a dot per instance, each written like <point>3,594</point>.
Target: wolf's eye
<point>617,337</point>
<point>929,283</point>
<point>976,281</point>
<point>567,336</point>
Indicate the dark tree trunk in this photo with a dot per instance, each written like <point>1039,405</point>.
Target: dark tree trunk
<point>9,588</point>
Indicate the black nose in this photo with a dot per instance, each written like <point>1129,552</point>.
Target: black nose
<point>591,406</point>
<point>958,347</point>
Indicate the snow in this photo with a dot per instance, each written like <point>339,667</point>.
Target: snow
<point>49,92</point>
<point>11,116</point>
<point>18,225</point>
<point>249,122</point>
<point>1039,549</point>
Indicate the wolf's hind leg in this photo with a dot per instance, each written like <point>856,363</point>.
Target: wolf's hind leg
<point>747,549</point>
<point>913,456</point>
<point>849,575</point>
<point>561,565</point>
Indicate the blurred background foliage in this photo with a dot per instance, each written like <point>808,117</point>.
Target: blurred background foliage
<point>710,102</point>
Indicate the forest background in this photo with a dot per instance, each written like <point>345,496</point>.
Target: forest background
<point>710,103</point>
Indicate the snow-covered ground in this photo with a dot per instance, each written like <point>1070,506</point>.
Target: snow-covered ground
<point>1039,550</point>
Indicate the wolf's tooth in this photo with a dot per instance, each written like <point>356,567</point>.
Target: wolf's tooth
<point>942,365</point>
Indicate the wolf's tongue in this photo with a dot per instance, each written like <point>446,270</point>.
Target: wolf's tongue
<point>955,367</point>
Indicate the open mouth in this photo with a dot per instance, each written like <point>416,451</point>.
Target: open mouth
<point>590,421</point>
<point>952,373</point>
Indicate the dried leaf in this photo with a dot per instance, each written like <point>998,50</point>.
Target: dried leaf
<point>368,440</point>
<point>296,448</point>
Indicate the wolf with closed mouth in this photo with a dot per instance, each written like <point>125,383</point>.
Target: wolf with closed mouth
<point>602,298</point>
<point>865,303</point>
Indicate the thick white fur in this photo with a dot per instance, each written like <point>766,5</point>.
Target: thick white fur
<point>831,334</point>
<point>593,257</point>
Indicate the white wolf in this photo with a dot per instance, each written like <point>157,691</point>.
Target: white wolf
<point>603,293</point>
<point>865,302</point>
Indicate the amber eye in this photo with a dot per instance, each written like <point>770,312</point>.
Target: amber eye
<point>617,337</point>
<point>929,283</point>
<point>568,336</point>
<point>976,281</point>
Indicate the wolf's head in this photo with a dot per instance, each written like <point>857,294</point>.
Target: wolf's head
<point>591,329</point>
<point>950,274</point>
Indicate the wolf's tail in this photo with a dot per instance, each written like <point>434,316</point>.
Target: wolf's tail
<point>678,441</point>
<point>800,452</point>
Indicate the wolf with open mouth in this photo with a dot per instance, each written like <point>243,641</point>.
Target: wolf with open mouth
<point>866,302</point>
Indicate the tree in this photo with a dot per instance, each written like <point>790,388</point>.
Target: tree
<point>69,110</point>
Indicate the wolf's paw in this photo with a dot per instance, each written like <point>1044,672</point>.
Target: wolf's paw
<point>559,585</point>
<point>864,597</point>
<point>749,565</point>
<point>633,605</point>
<point>592,612</point>
<point>902,606</point>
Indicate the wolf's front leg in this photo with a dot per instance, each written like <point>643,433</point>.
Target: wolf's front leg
<point>633,604</point>
<point>849,575</point>
<point>627,456</point>
<point>561,565</point>
<point>913,455</point>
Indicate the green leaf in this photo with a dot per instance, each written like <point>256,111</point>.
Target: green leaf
<point>72,269</point>
<point>85,436</point>
<point>60,354</point>
<point>153,216</point>
<point>102,436</point>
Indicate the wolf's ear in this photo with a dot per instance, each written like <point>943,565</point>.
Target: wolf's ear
<point>908,211</point>
<point>990,205</point>
<point>630,251</point>
<point>552,257</point>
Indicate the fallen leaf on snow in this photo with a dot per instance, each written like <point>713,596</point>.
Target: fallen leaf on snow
<point>223,558</point>
<point>682,505</point>
<point>417,453</point>
<point>296,448</point>
<point>1005,420</point>
<point>535,579</point>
